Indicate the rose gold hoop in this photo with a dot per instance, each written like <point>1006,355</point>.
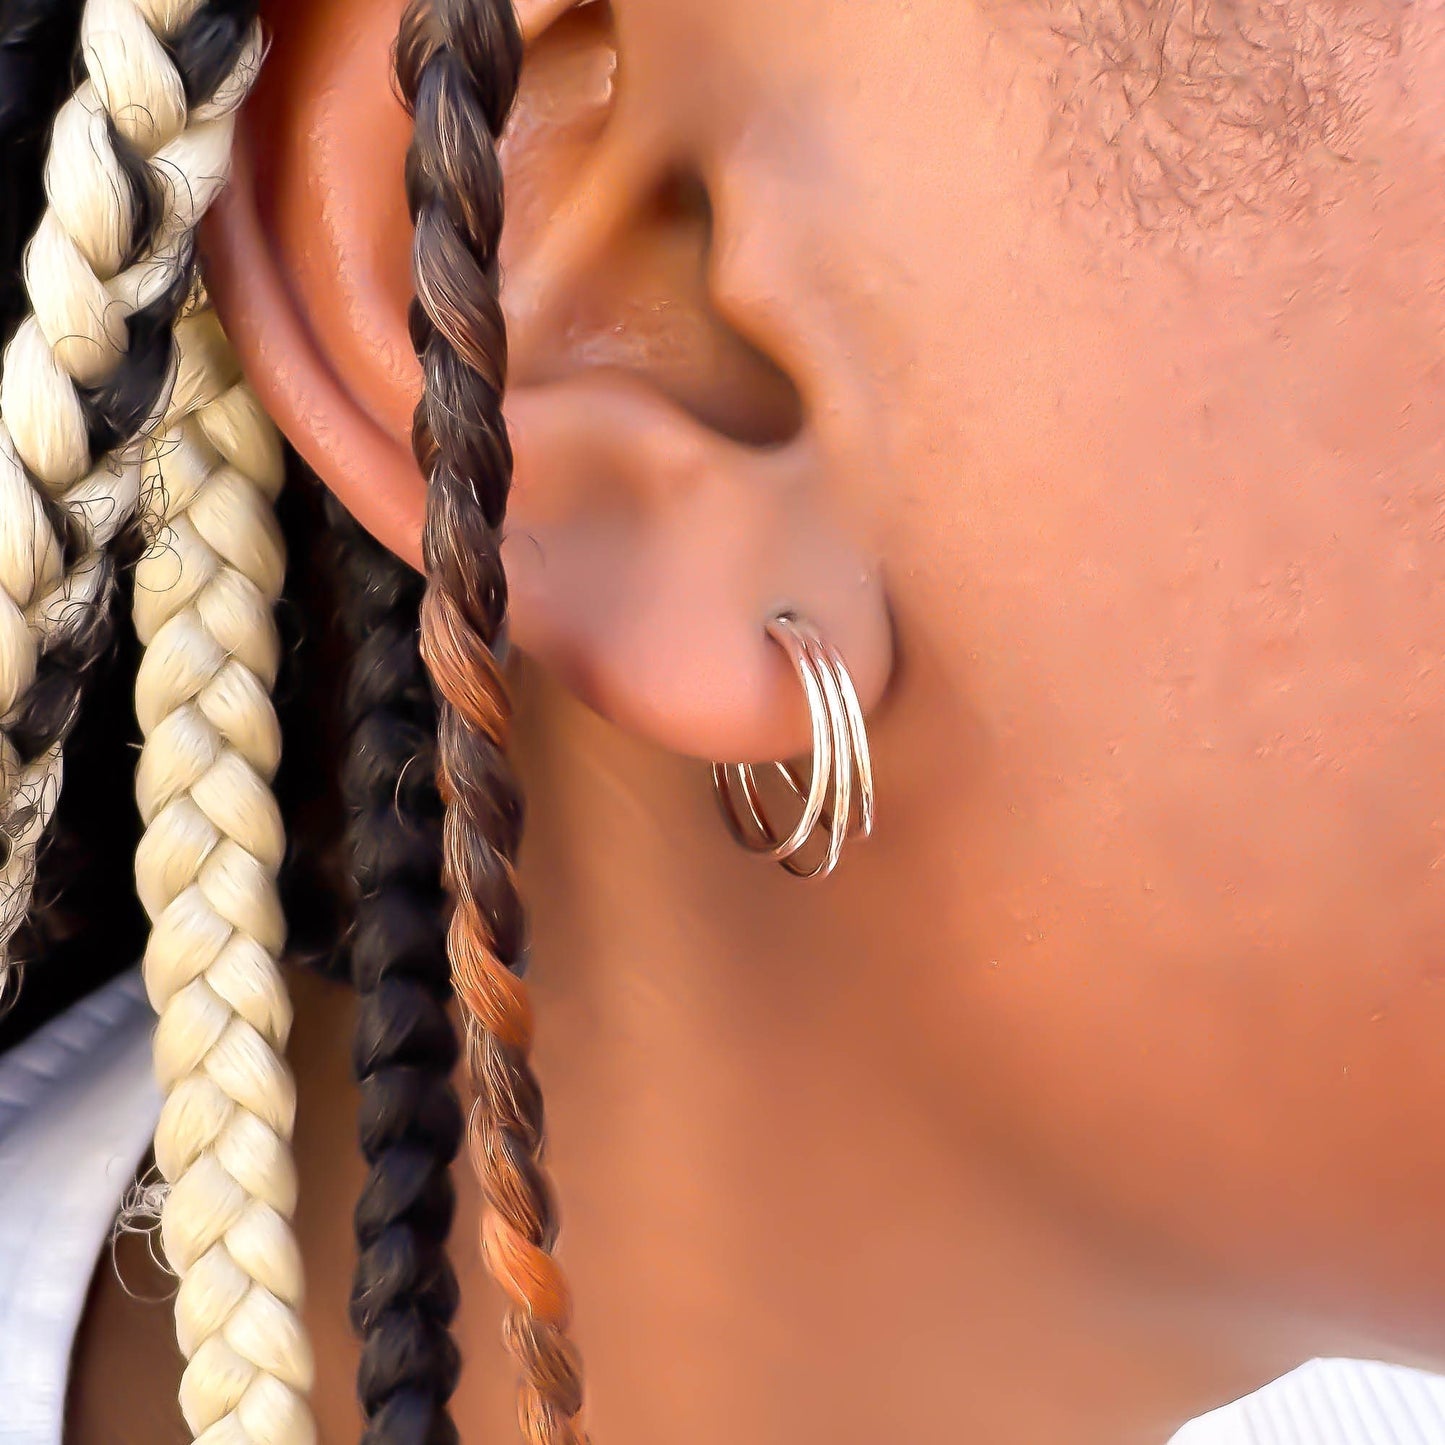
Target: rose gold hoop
<point>842,764</point>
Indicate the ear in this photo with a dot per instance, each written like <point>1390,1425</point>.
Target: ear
<point>669,497</point>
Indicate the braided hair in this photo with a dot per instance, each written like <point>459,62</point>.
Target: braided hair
<point>458,64</point>
<point>206,871</point>
<point>404,1293</point>
<point>37,42</point>
<point>136,156</point>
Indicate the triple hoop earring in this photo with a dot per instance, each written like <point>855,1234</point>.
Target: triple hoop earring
<point>839,795</point>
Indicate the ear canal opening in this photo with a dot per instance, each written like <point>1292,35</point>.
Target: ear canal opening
<point>624,284</point>
<point>762,407</point>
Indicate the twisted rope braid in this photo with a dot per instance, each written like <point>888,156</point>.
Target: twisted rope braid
<point>137,155</point>
<point>206,873</point>
<point>404,1295</point>
<point>458,63</point>
<point>37,44</point>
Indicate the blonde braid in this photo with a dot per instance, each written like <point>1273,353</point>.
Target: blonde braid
<point>206,872</point>
<point>131,169</point>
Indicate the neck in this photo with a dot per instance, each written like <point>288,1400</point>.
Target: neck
<point>774,1227</point>
<point>764,1243</point>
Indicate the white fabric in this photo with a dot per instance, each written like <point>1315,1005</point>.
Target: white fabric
<point>77,1108</point>
<point>1331,1402</point>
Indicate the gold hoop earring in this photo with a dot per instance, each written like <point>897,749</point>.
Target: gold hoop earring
<point>842,763</point>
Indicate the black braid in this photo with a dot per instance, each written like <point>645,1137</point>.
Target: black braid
<point>405,1293</point>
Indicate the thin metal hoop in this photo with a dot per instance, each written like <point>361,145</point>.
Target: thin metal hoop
<point>841,757</point>
<point>857,736</point>
<point>757,834</point>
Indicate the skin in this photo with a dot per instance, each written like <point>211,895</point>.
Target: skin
<point>1082,375</point>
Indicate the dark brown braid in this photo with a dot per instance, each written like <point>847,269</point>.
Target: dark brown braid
<point>458,63</point>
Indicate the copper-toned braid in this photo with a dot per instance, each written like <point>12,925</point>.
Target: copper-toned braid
<point>457,63</point>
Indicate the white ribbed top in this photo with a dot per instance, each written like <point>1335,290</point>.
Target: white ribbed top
<point>1331,1402</point>
<point>77,1110</point>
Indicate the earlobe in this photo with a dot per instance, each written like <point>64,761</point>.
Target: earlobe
<point>647,554</point>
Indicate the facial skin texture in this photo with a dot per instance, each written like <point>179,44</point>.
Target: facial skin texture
<point>1197,121</point>
<point>1094,355</point>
